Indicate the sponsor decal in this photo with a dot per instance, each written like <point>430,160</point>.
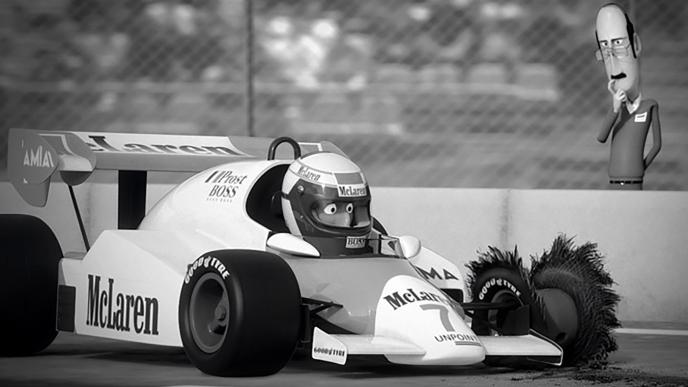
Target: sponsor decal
<point>206,261</point>
<point>641,117</point>
<point>329,351</point>
<point>101,144</point>
<point>349,191</point>
<point>434,274</point>
<point>328,348</point>
<point>224,185</point>
<point>225,177</point>
<point>221,192</point>
<point>398,299</point>
<point>122,312</point>
<point>497,282</point>
<point>458,338</point>
<point>308,173</point>
<point>349,178</point>
<point>38,157</point>
<point>355,242</point>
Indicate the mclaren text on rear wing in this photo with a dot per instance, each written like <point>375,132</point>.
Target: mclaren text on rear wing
<point>35,156</point>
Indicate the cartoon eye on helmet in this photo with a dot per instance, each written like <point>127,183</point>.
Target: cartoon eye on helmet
<point>325,196</point>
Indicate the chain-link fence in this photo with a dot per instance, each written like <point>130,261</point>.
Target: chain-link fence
<point>450,93</point>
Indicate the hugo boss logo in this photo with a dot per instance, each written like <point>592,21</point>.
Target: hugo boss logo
<point>355,242</point>
<point>224,185</point>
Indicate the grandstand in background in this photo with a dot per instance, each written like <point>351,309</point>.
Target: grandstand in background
<point>435,93</point>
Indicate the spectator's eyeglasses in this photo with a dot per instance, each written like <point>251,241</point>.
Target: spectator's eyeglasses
<point>617,52</point>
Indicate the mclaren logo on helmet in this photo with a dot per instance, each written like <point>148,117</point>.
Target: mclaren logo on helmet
<point>349,191</point>
<point>308,174</point>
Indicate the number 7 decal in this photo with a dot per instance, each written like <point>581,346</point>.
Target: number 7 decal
<point>444,315</point>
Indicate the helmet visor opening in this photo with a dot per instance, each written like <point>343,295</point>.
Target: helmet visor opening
<point>342,214</point>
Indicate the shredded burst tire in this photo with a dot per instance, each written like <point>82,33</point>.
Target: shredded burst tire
<point>508,266</point>
<point>577,271</point>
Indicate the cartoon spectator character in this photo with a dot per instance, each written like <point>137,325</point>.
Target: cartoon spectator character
<point>326,200</point>
<point>631,115</point>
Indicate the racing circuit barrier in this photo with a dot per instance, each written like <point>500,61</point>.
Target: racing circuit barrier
<point>641,233</point>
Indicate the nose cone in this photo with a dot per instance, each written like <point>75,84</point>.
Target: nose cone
<point>412,310</point>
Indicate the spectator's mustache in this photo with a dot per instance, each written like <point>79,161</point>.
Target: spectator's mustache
<point>619,76</point>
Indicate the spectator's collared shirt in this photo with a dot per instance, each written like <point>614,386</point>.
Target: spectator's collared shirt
<point>633,106</point>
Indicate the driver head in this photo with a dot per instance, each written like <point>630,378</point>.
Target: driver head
<point>325,195</point>
<point>619,48</point>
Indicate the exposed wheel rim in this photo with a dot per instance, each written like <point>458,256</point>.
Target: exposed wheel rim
<point>209,313</point>
<point>496,317</point>
<point>561,309</point>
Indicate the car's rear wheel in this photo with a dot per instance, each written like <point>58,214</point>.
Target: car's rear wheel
<point>28,289</point>
<point>239,313</point>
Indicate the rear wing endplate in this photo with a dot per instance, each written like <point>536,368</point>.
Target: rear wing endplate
<point>35,156</point>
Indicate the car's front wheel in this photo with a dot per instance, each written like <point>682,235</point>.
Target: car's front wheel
<point>567,292</point>
<point>568,277</point>
<point>239,313</point>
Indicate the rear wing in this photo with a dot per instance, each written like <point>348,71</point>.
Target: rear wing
<point>35,156</point>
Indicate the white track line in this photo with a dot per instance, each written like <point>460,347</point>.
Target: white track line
<point>661,332</point>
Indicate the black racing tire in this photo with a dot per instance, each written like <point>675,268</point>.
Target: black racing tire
<point>568,292</point>
<point>28,289</point>
<point>499,277</point>
<point>586,334</point>
<point>239,313</point>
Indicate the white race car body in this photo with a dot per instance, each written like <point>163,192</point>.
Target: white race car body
<point>127,286</point>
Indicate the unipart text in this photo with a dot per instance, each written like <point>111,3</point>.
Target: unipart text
<point>458,338</point>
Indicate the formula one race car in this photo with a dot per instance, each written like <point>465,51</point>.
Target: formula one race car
<point>254,257</point>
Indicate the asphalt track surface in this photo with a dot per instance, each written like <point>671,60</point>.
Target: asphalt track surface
<point>644,358</point>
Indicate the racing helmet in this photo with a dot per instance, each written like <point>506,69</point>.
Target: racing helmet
<point>326,200</point>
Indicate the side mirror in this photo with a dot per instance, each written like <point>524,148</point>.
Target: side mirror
<point>407,246</point>
<point>290,244</point>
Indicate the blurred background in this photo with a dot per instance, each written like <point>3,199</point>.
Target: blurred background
<point>434,93</point>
